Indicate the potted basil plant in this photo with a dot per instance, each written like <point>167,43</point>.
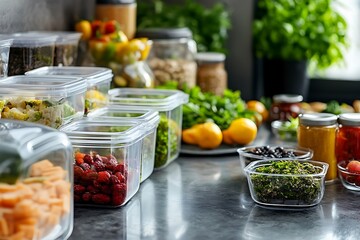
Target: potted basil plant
<point>288,35</point>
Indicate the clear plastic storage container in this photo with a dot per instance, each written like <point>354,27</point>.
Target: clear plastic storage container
<point>106,162</point>
<point>169,105</point>
<point>98,81</point>
<point>5,44</point>
<point>36,199</point>
<point>150,121</point>
<point>48,100</point>
<point>30,51</point>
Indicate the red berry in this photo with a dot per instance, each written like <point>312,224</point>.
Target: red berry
<point>92,189</point>
<point>100,198</point>
<point>99,166</point>
<point>119,168</point>
<point>103,177</point>
<point>106,189</point>
<point>114,180</point>
<point>90,175</point>
<point>86,197</point>
<point>118,199</point>
<point>88,159</point>
<point>85,166</point>
<point>119,188</point>
<point>78,173</point>
<point>111,164</point>
<point>96,184</point>
<point>353,166</point>
<point>97,158</point>
<point>79,189</point>
<point>120,177</point>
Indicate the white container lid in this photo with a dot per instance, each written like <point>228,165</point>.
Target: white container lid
<point>317,119</point>
<point>5,42</point>
<point>154,99</point>
<point>42,86</point>
<point>63,37</point>
<point>93,75</point>
<point>88,132</point>
<point>32,39</point>
<point>350,119</point>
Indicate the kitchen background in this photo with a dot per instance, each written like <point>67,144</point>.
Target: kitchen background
<point>23,15</point>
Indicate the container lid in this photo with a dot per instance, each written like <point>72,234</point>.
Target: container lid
<point>102,133</point>
<point>32,39</point>
<point>164,33</point>
<point>154,99</point>
<point>22,143</point>
<point>42,86</point>
<point>210,57</point>
<point>317,119</point>
<point>287,98</point>
<point>63,37</point>
<point>350,119</point>
<point>93,75</point>
<point>115,1</point>
<point>151,118</point>
<point>5,42</point>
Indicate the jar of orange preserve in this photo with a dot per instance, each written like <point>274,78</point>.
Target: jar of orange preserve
<point>317,131</point>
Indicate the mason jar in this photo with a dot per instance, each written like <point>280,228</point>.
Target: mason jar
<point>172,57</point>
<point>285,106</point>
<point>317,131</point>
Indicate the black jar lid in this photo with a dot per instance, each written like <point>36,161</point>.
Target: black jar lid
<point>164,33</point>
<point>115,1</point>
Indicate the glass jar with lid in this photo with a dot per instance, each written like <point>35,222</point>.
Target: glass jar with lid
<point>36,199</point>
<point>317,131</point>
<point>211,74</point>
<point>285,106</point>
<point>172,57</point>
<point>348,137</point>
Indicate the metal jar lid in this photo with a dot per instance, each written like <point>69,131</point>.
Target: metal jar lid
<point>350,119</point>
<point>164,33</point>
<point>318,119</point>
<point>287,98</point>
<point>210,57</point>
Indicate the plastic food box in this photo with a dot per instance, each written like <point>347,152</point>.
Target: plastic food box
<point>106,164</point>
<point>273,184</point>
<point>284,131</point>
<point>30,51</point>
<point>47,100</point>
<point>98,80</point>
<point>169,105</point>
<point>36,199</point>
<point>254,153</point>
<point>5,44</point>
<point>150,120</point>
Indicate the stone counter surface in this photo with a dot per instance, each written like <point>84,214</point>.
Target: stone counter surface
<point>206,197</point>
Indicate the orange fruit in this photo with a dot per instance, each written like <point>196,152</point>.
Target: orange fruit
<point>243,131</point>
<point>84,27</point>
<point>226,137</point>
<point>258,107</point>
<point>209,135</point>
<point>189,135</point>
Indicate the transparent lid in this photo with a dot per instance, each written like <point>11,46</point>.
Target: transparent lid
<point>32,39</point>
<point>24,142</point>
<point>42,86</point>
<point>63,37</point>
<point>154,99</point>
<point>317,119</point>
<point>149,117</point>
<point>93,75</point>
<point>88,132</point>
<point>5,42</point>
<point>350,119</point>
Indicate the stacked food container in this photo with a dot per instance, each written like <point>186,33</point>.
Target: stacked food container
<point>5,44</point>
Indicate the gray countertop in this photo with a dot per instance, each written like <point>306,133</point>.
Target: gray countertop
<point>206,197</point>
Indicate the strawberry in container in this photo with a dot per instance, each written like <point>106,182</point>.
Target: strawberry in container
<point>107,156</point>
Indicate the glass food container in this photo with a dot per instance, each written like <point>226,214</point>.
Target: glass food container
<point>30,51</point>
<point>211,74</point>
<point>172,56</point>
<point>106,162</point>
<point>150,120</point>
<point>317,131</point>
<point>285,106</point>
<point>169,105</point>
<point>5,44</point>
<point>48,100</point>
<point>348,137</point>
<point>36,199</point>
<point>301,185</point>
<point>98,82</point>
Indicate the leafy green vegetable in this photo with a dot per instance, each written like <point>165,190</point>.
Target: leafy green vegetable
<point>222,110</point>
<point>209,26</point>
<point>299,30</point>
<point>304,189</point>
<point>333,107</point>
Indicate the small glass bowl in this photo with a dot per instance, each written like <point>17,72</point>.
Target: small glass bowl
<point>246,155</point>
<point>282,132</point>
<point>349,180</point>
<point>286,190</point>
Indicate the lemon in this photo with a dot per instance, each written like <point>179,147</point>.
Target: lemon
<point>243,131</point>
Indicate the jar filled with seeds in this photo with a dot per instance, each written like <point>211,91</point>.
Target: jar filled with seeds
<point>172,57</point>
<point>211,74</point>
